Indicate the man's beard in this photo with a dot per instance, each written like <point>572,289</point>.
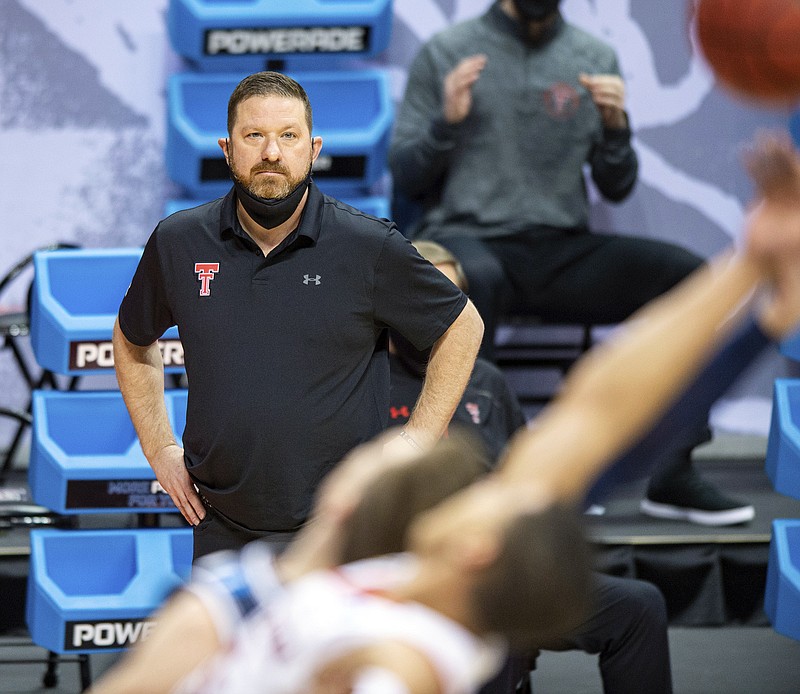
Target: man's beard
<point>269,187</point>
<point>269,200</point>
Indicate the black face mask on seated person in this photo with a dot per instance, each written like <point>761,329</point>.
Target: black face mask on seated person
<point>532,13</point>
<point>536,10</point>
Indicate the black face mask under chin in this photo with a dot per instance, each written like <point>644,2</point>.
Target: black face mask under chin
<point>271,212</point>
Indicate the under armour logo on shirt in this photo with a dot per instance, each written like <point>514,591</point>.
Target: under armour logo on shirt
<point>308,279</point>
<point>398,412</point>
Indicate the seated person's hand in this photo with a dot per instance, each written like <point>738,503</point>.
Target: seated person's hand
<point>608,94</point>
<point>457,88</point>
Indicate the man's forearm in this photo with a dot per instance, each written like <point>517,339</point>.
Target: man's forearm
<point>419,161</point>
<point>448,373</point>
<point>140,375</point>
<point>422,143</point>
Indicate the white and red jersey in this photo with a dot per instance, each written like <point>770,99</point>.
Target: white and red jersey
<point>275,638</point>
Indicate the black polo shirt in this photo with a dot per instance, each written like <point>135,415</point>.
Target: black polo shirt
<point>488,407</point>
<point>286,355</point>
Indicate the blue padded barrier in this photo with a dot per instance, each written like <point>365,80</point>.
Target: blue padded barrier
<point>375,205</point>
<point>85,456</point>
<point>794,127</point>
<point>93,590</point>
<point>353,114</point>
<point>782,462</point>
<point>782,595</point>
<point>75,299</point>
<point>178,204</point>
<point>245,35</point>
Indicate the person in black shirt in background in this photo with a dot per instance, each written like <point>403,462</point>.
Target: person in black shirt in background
<point>488,404</point>
<point>627,626</point>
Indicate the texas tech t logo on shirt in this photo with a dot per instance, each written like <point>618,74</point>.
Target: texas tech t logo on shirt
<point>205,273</point>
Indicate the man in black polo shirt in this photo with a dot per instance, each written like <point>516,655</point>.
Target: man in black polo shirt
<point>283,298</point>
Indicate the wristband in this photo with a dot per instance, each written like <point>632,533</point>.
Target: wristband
<point>410,439</point>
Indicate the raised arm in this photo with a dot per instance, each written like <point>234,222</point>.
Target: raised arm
<point>713,381</point>
<point>613,161</point>
<point>428,121</point>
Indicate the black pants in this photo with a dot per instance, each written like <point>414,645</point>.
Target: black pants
<point>627,629</point>
<point>575,277</point>
<point>572,277</point>
<point>215,533</point>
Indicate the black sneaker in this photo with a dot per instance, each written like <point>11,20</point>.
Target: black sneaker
<point>687,496</point>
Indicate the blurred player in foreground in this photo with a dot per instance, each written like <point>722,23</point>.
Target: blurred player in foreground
<point>500,564</point>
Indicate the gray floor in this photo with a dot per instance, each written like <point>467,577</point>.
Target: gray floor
<point>723,660</point>
<point>717,660</point>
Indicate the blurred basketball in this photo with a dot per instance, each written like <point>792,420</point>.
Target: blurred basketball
<point>753,46</point>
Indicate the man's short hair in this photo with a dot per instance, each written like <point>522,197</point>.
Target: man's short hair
<point>436,254</point>
<point>380,521</point>
<point>537,588</point>
<point>267,83</point>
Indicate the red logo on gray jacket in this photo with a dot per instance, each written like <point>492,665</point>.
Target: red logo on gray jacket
<point>561,101</point>
<point>205,273</point>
